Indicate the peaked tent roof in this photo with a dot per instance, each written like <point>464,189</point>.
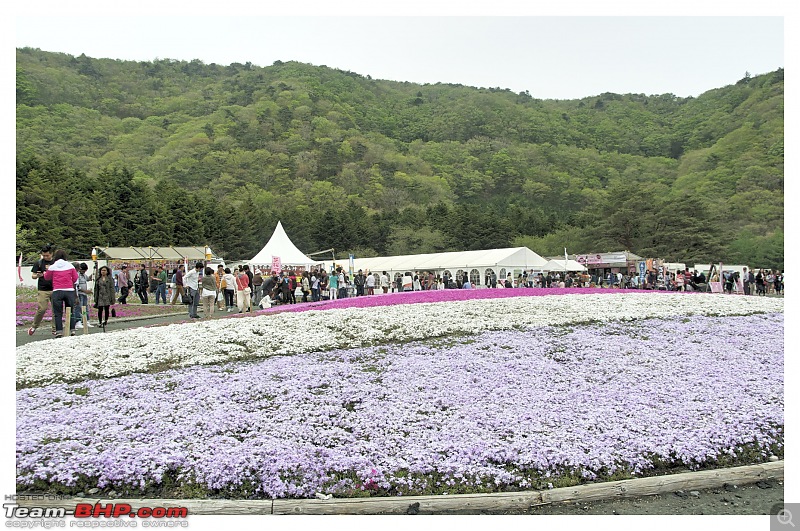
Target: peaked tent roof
<point>280,245</point>
<point>512,257</point>
<point>558,265</point>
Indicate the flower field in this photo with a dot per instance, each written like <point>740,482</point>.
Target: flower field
<point>424,395</point>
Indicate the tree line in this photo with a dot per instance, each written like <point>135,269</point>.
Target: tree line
<point>182,153</point>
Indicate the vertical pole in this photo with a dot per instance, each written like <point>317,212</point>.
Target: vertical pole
<point>67,319</point>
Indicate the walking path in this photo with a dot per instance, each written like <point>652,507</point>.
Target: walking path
<point>118,323</point>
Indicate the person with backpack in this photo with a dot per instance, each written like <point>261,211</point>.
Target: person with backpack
<point>44,288</point>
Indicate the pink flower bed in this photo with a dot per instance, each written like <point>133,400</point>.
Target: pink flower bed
<point>415,297</point>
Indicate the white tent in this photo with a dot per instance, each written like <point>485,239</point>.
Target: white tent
<point>175,254</point>
<point>281,246</point>
<point>507,260</point>
<point>560,265</point>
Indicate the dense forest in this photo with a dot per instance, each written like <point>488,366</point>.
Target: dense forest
<point>169,152</point>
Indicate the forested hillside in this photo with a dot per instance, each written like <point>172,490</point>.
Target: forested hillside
<point>172,152</point>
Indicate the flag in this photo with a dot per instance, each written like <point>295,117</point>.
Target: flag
<point>19,268</point>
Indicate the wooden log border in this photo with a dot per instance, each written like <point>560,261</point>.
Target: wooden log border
<point>626,488</point>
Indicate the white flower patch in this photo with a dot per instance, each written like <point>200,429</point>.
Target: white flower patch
<point>180,345</point>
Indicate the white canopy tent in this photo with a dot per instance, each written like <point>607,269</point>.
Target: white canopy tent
<point>501,261</point>
<point>175,254</point>
<point>281,246</point>
<point>563,265</point>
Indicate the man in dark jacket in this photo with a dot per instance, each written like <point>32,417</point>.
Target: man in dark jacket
<point>143,286</point>
<point>359,280</point>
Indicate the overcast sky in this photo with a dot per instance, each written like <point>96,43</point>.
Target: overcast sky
<point>555,57</point>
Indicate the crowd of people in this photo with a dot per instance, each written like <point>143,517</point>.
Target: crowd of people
<point>242,289</point>
<point>65,285</point>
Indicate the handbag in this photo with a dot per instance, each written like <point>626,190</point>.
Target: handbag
<point>246,291</point>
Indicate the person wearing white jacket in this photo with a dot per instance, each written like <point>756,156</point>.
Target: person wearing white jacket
<point>230,289</point>
<point>191,283</point>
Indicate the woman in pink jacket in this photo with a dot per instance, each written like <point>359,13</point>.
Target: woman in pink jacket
<point>63,276</point>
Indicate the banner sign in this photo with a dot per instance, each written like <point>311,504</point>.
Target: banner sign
<point>614,258</point>
<point>134,265</point>
<point>642,270</point>
<point>276,264</point>
<point>597,259</point>
<point>589,259</point>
